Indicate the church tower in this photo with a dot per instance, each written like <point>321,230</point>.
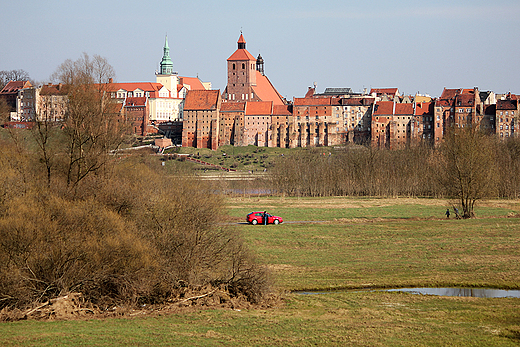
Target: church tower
<point>241,67</point>
<point>166,76</point>
<point>166,62</point>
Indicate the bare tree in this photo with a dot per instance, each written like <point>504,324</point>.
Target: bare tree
<point>467,167</point>
<point>85,70</point>
<point>4,111</point>
<point>12,75</point>
<point>92,125</point>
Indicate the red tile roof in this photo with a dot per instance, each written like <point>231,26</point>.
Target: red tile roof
<point>465,100</point>
<point>259,108</point>
<point>506,105</point>
<point>232,106</point>
<point>443,102</point>
<point>201,99</point>
<point>384,108</point>
<point>151,87</point>
<point>241,53</point>
<point>266,91</point>
<point>449,93</point>
<point>312,101</point>
<point>310,92</point>
<point>387,91</point>
<point>357,101</point>
<point>54,89</point>
<point>423,108</point>
<point>282,110</point>
<point>403,109</point>
<point>193,82</point>
<point>134,101</point>
<point>14,86</point>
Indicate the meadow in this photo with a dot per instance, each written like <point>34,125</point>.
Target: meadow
<point>343,250</point>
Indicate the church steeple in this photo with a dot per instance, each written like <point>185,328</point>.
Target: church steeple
<point>241,42</point>
<point>166,62</point>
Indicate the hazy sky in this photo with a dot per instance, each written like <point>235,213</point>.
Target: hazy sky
<point>415,46</point>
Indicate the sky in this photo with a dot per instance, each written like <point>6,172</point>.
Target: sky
<point>416,46</point>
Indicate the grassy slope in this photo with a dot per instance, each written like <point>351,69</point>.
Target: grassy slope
<point>366,242</point>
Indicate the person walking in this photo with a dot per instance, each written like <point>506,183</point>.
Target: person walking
<point>448,213</point>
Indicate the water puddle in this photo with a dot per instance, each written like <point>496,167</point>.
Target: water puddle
<point>467,292</point>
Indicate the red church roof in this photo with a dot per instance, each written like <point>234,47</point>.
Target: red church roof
<point>266,91</point>
<point>241,53</point>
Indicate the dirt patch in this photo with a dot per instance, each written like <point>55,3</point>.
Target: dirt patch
<point>74,307</point>
<point>70,306</point>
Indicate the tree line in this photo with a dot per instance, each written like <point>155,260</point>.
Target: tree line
<point>467,167</point>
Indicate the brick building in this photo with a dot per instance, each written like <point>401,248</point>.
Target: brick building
<point>201,119</point>
<point>135,111</point>
<point>246,80</point>
<point>507,116</point>
<point>10,93</point>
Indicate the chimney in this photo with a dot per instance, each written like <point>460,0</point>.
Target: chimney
<point>110,80</point>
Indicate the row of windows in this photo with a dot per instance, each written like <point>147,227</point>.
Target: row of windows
<point>244,96</point>
<point>243,66</point>
<point>122,95</point>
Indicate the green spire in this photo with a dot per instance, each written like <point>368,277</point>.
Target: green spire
<point>166,62</point>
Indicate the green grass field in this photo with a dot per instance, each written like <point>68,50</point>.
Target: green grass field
<point>353,243</point>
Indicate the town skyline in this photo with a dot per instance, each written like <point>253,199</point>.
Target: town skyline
<point>414,47</point>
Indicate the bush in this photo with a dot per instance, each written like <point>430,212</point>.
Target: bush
<point>124,235</point>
